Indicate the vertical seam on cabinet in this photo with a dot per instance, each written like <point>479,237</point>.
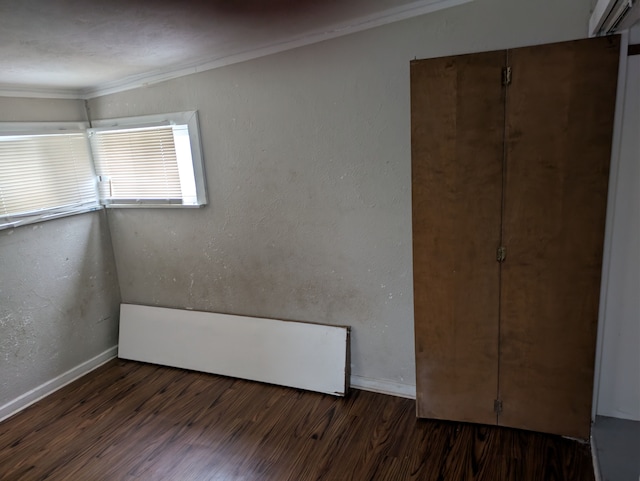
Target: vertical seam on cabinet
<point>502,212</point>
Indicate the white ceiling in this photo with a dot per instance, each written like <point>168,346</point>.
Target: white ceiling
<point>81,48</point>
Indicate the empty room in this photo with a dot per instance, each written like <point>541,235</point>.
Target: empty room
<point>341,240</point>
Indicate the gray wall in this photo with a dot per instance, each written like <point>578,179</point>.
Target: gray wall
<point>59,295</point>
<point>308,166</point>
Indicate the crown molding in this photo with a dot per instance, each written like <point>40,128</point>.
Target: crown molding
<point>359,24</point>
<point>384,17</point>
<point>12,90</point>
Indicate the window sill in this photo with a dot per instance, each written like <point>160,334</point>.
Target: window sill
<point>153,206</point>
<point>13,222</point>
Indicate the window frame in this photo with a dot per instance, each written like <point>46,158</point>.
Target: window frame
<point>47,128</point>
<point>189,118</point>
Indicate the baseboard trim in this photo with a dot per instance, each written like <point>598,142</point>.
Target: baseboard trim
<point>49,387</point>
<point>383,386</point>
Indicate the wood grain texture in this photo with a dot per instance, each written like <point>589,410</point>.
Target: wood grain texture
<point>133,421</point>
<point>457,120</point>
<point>558,133</point>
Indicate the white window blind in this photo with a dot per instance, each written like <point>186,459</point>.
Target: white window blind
<point>48,169</point>
<point>147,165</point>
<point>44,175</point>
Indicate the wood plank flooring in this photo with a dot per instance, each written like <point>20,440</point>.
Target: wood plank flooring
<point>133,421</point>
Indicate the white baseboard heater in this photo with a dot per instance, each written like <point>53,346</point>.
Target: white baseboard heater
<point>302,355</point>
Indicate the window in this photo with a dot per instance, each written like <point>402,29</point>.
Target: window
<point>149,161</point>
<point>45,172</point>
<point>49,170</point>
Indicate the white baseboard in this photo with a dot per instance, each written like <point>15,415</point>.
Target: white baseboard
<point>49,387</point>
<point>383,386</point>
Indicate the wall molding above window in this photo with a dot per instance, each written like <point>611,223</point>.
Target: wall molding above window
<point>224,58</point>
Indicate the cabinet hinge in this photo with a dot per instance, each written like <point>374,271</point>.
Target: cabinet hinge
<point>506,75</point>
<point>501,254</point>
<point>497,406</point>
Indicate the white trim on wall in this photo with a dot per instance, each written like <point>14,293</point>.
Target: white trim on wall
<point>610,219</point>
<point>384,17</point>
<point>381,386</point>
<point>384,386</point>
<point>49,387</point>
<point>24,91</point>
<point>359,24</point>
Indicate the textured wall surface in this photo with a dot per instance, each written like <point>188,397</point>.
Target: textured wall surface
<point>308,167</point>
<point>16,109</point>
<point>59,296</point>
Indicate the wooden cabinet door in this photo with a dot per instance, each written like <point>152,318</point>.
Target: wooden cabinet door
<point>457,120</point>
<point>560,108</point>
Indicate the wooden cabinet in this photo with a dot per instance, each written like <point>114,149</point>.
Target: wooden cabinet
<point>510,156</point>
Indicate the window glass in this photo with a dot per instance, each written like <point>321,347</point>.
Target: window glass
<point>149,161</point>
<point>44,176</point>
<point>49,170</point>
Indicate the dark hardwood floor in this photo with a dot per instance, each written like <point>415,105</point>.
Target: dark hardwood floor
<point>133,421</point>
